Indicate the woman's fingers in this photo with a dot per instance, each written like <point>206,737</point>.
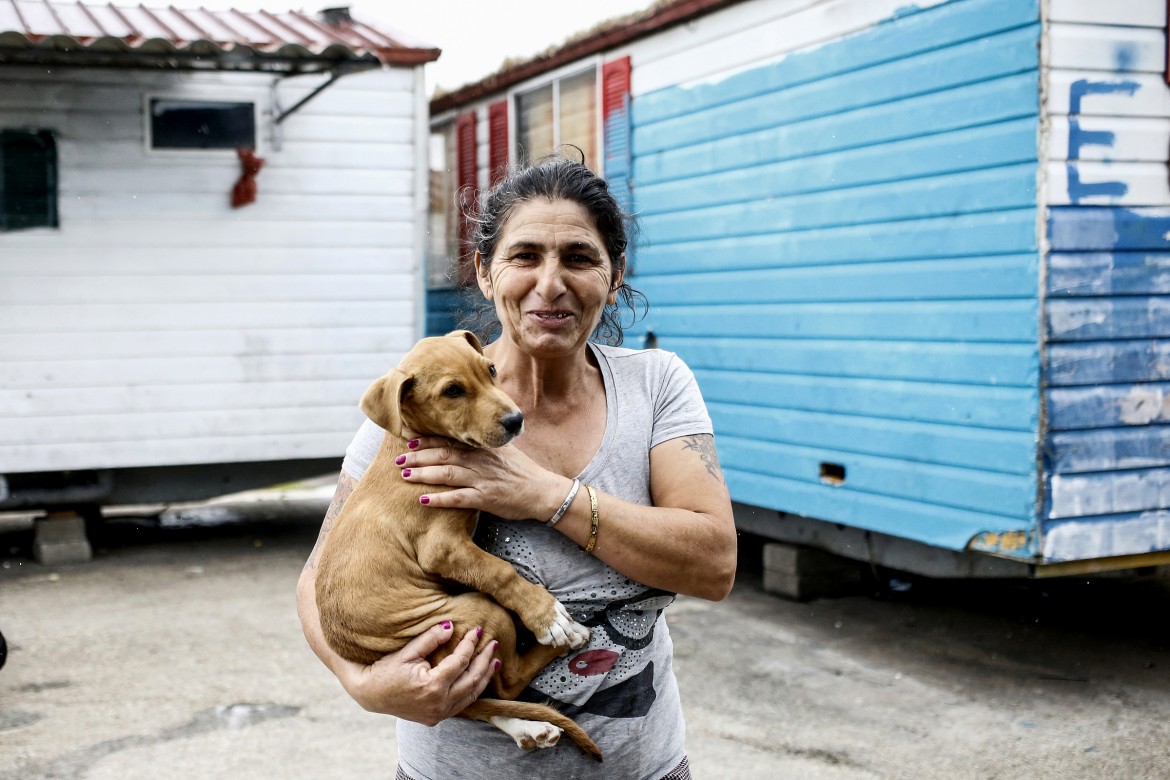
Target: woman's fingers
<point>426,643</point>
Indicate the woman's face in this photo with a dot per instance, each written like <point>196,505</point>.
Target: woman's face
<point>550,279</point>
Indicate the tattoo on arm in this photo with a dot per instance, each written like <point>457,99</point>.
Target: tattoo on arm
<point>344,488</point>
<point>704,444</point>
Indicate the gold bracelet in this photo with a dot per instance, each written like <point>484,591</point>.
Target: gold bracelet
<point>593,520</point>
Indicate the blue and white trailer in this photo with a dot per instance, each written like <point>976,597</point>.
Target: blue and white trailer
<point>918,256</point>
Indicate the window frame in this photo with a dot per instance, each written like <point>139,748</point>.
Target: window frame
<point>201,96</point>
<point>554,77</point>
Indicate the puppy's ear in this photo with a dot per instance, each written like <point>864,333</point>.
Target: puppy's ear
<point>382,402</point>
<point>469,337</point>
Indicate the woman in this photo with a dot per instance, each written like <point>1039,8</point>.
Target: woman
<point>612,499</point>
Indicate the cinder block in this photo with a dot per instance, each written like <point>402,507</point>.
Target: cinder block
<point>60,538</point>
<point>802,573</point>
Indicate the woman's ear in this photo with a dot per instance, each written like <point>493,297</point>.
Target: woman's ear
<point>619,278</point>
<point>481,276</point>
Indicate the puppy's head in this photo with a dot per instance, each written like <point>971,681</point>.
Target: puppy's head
<point>445,386</point>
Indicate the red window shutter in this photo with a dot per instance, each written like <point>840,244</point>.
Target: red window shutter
<point>497,141</point>
<point>615,86</point>
<point>615,113</point>
<point>467,176</point>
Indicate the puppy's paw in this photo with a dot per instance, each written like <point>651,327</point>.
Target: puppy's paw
<point>563,631</point>
<point>528,734</point>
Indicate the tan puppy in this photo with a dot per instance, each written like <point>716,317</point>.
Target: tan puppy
<point>388,569</point>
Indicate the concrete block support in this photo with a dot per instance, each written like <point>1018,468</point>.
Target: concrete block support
<point>60,538</point>
<point>802,573</point>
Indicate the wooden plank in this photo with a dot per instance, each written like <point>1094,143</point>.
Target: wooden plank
<point>219,177</point>
<point>348,155</point>
<point>999,408</point>
<point>238,235</point>
<point>957,235</point>
<point>82,373</point>
<point>174,289</point>
<point>1106,48</point>
<point>1007,452</point>
<point>1108,273</point>
<point>145,427</point>
<point>1107,406</point>
<point>1004,188</point>
<point>1144,13</point>
<point>179,397</point>
<point>1113,535</point>
<point>232,343</point>
<point>980,491</point>
<point>779,104</point>
<point>1088,229</point>
<point>818,46</point>
<point>1108,184</point>
<point>1096,362</point>
<point>1094,319</point>
<point>1091,93</point>
<point>33,457</point>
<point>990,146</point>
<point>1007,365</point>
<point>997,276</point>
<point>979,321</point>
<point>192,260</point>
<point>132,318</point>
<point>1108,493</point>
<point>972,105</point>
<point>945,527</point>
<point>1115,139</point>
<point>1109,449</point>
<point>269,207</point>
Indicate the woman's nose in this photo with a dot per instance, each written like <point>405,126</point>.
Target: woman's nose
<point>550,283</point>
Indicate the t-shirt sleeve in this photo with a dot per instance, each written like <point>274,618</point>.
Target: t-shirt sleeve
<point>678,407</point>
<point>361,451</point>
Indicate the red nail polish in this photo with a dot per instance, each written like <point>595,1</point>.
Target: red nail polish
<point>496,664</point>
<point>424,499</point>
<point>413,444</point>
<point>400,460</point>
<point>406,472</point>
<point>478,632</point>
<point>446,625</point>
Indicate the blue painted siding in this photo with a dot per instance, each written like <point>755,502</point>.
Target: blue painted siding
<point>442,311</point>
<point>1107,448</point>
<point>842,244</point>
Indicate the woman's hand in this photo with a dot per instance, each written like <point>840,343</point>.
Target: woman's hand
<point>503,481</point>
<point>404,684</point>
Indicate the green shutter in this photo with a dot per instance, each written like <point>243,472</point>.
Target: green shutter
<point>28,179</point>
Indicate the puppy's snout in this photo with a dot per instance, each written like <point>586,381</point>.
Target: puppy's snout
<point>512,423</point>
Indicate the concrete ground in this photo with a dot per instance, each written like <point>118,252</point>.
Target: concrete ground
<point>176,653</point>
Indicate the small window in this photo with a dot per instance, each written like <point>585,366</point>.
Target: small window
<point>28,179</point>
<point>561,112</point>
<point>194,124</point>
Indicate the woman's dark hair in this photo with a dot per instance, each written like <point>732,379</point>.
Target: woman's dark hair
<point>552,178</point>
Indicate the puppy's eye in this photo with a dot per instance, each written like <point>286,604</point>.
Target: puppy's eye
<point>492,370</point>
<point>454,391</point>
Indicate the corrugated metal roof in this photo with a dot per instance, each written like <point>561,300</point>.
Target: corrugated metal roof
<point>44,31</point>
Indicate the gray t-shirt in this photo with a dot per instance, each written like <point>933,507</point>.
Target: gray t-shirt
<point>620,687</point>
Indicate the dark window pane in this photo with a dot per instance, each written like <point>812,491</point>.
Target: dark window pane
<point>190,124</point>
<point>28,179</point>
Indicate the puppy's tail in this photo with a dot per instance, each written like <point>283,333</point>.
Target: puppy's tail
<point>485,709</point>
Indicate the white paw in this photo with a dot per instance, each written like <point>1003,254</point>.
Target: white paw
<point>564,630</point>
<point>528,734</point>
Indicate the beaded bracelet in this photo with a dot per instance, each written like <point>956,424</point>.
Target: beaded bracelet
<point>565,506</point>
<point>593,520</point>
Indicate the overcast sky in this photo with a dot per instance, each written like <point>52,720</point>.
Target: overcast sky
<point>475,35</point>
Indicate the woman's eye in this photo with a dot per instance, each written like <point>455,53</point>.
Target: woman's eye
<point>454,391</point>
<point>492,371</point>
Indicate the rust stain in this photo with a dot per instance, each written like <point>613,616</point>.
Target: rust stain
<point>1005,542</point>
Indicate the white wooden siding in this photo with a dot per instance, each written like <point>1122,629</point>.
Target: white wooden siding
<point>157,325</point>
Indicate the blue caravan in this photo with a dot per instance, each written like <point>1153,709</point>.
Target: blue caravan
<point>917,254</point>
